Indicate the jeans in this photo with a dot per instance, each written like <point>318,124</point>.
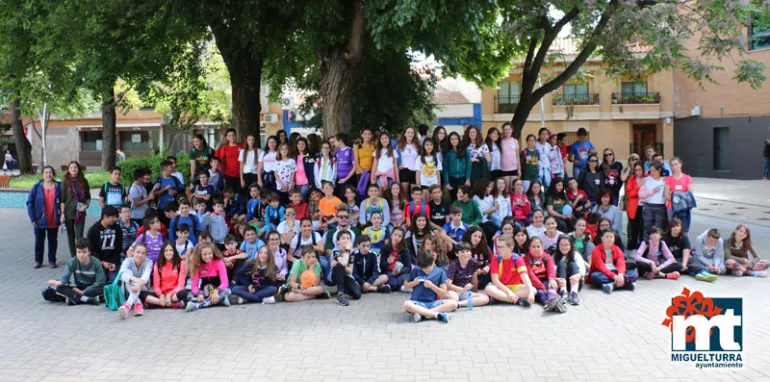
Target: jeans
<point>396,282</point>
<point>304,190</point>
<point>257,296</point>
<point>767,168</point>
<point>74,231</point>
<point>109,276</point>
<point>53,244</point>
<point>575,172</point>
<point>325,262</point>
<point>566,270</point>
<point>644,268</point>
<point>654,215</point>
<point>345,284</point>
<point>598,279</point>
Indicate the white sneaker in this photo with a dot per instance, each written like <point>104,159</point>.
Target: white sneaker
<point>268,300</point>
<point>240,300</point>
<point>405,289</point>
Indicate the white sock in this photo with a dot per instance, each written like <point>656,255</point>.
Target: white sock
<point>83,298</point>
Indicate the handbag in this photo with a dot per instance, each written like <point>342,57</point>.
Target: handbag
<point>114,296</point>
<point>363,183</point>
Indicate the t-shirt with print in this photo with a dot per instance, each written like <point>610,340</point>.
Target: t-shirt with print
<point>556,203</point>
<point>438,212</point>
<point>428,171</point>
<point>530,160</point>
<point>300,267</point>
<point>608,260</point>
<point>538,267</point>
<point>384,162</point>
<point>201,158</point>
<point>677,245</point>
<point>508,270</point>
<point>612,178</point>
<point>284,169</point>
<point>251,249</point>
<point>422,293</point>
<point>344,162</point>
<point>268,160</point>
<point>455,232</point>
<point>478,151</point>
<point>581,151</point>
<point>113,194</point>
<point>153,244</point>
<point>299,241</point>
<point>376,238</point>
<point>462,276</point>
<point>137,192</point>
<point>408,156</point>
<point>199,190</point>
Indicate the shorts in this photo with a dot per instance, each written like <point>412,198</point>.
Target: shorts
<point>514,287</point>
<point>428,305</point>
<point>406,175</point>
<point>508,173</point>
<point>425,187</point>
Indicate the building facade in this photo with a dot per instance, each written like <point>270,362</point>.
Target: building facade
<point>624,114</point>
<point>721,128</point>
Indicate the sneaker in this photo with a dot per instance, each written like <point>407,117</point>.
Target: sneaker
<point>561,306</point>
<point>405,289</point>
<point>705,276</point>
<point>283,290</point>
<point>192,306</point>
<point>93,300</point>
<point>53,265</point>
<point>342,300</point>
<point>443,317</point>
<point>574,298</point>
<point>177,305</point>
<point>523,302</point>
<point>123,311</point>
<point>225,301</point>
<point>759,273</point>
<point>673,276</point>
<point>649,276</point>
<point>138,309</point>
<point>37,265</point>
<point>268,300</point>
<point>416,317</point>
<point>631,286</point>
<point>383,289</point>
<point>608,287</point>
<point>550,305</point>
<point>323,296</point>
<point>70,302</point>
<point>239,300</point>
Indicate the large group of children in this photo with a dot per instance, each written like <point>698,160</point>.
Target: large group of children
<point>455,221</point>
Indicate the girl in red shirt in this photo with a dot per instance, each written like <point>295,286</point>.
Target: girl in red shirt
<point>229,153</point>
<point>168,279</point>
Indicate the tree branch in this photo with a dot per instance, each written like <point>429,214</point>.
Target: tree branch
<point>581,58</point>
<point>528,81</point>
<point>357,30</point>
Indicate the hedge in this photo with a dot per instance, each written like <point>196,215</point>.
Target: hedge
<point>127,166</point>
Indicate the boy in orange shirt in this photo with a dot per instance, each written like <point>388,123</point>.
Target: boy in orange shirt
<point>328,205</point>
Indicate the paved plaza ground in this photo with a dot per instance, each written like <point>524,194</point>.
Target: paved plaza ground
<point>614,337</point>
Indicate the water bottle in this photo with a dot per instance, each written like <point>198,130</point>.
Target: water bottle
<point>470,300</point>
<point>64,229</point>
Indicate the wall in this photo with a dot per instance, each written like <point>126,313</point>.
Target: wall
<point>694,143</point>
<point>63,146</point>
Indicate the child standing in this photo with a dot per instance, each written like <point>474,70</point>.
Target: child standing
<point>530,162</point>
<point>428,282</point>
<point>326,166</point>
<point>462,278</point>
<point>428,167</point>
<point>346,163</point>
<point>408,148</point>
<point>266,166</point>
<point>257,279</point>
<point>208,270</point>
<point>285,172</point>
<point>135,274</point>
<point>167,186</point>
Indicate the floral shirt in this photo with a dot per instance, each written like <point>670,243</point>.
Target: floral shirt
<point>284,170</point>
<point>478,151</point>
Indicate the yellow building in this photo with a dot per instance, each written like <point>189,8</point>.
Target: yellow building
<point>624,114</point>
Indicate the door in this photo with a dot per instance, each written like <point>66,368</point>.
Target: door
<point>644,135</point>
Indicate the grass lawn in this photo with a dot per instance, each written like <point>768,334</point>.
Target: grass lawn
<point>25,182</point>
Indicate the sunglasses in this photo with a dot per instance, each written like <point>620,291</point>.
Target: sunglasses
<point>608,154</point>
<point>291,213</point>
<point>593,161</point>
<point>342,216</point>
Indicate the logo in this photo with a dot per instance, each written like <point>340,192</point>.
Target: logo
<point>706,331</point>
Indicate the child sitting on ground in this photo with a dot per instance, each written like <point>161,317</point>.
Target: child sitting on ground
<point>295,290</point>
<point>542,274</point>
<point>366,270</point>
<point>208,270</point>
<point>233,257</point>
<point>135,274</point>
<point>181,244</point>
<point>510,281</point>
<point>341,266</point>
<point>274,212</point>
<point>428,282</point>
<point>257,279</point>
<point>462,278</point>
<point>608,266</point>
<point>168,280</point>
<point>396,261</point>
<point>88,283</point>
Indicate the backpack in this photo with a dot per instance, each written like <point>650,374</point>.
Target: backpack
<point>411,207</point>
<point>500,264</point>
<point>114,296</point>
<point>660,249</point>
<point>49,294</point>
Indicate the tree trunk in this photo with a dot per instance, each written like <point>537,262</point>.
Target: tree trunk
<point>23,147</point>
<point>338,68</point>
<point>246,105</point>
<point>520,115</point>
<point>109,127</point>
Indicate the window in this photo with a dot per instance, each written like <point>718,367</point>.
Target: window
<point>508,92</point>
<point>721,149</point>
<point>138,140</point>
<point>759,32</point>
<point>633,89</point>
<point>91,141</point>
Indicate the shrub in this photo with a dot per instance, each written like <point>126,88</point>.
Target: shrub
<point>152,162</point>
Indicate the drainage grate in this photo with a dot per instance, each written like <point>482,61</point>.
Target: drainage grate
<point>741,208</point>
<point>731,213</point>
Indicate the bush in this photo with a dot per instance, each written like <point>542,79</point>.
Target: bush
<point>25,182</point>
<point>127,166</point>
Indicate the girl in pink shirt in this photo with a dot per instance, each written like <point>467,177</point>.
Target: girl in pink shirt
<point>208,270</point>
<point>509,156</point>
<point>168,278</point>
<point>678,182</point>
<point>520,205</point>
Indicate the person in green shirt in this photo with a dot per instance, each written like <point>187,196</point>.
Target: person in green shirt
<point>470,208</point>
<point>298,289</point>
<point>88,283</point>
<point>530,160</point>
<point>558,206</point>
<point>200,155</point>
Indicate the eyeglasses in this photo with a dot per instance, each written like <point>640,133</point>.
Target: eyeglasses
<point>291,213</point>
<point>342,216</point>
<point>274,239</point>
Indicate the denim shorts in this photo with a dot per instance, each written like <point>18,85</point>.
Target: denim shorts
<point>428,305</point>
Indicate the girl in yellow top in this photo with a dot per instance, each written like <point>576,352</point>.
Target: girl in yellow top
<point>364,152</point>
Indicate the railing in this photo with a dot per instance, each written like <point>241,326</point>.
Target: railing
<point>506,104</point>
<point>575,99</point>
<point>635,98</point>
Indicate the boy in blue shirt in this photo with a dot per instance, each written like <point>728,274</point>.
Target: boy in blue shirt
<point>455,228</point>
<point>168,187</point>
<point>580,151</point>
<point>203,190</point>
<point>251,244</point>
<point>184,217</point>
<point>112,193</point>
<point>274,212</point>
<point>428,282</point>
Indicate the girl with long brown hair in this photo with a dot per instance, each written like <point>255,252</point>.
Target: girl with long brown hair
<point>75,198</point>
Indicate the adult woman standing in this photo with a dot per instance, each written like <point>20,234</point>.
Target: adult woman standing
<point>200,155</point>
<point>652,194</point>
<point>228,153</point>
<point>678,182</point>
<point>479,152</point>
<point>43,208</point>
<point>612,179</point>
<point>635,207</point>
<point>75,198</point>
<point>591,179</point>
<point>249,165</point>
<point>509,157</point>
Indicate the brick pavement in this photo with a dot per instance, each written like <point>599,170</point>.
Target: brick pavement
<point>606,338</point>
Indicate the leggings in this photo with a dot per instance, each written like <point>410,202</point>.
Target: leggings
<point>644,268</point>
<point>74,231</point>
<point>259,294</point>
<point>635,229</point>
<point>737,269</point>
<point>182,295</point>
<point>345,284</point>
<point>455,183</point>
<point>249,179</point>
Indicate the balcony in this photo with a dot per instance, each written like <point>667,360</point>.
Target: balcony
<point>506,105</point>
<point>635,98</point>
<point>575,99</point>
